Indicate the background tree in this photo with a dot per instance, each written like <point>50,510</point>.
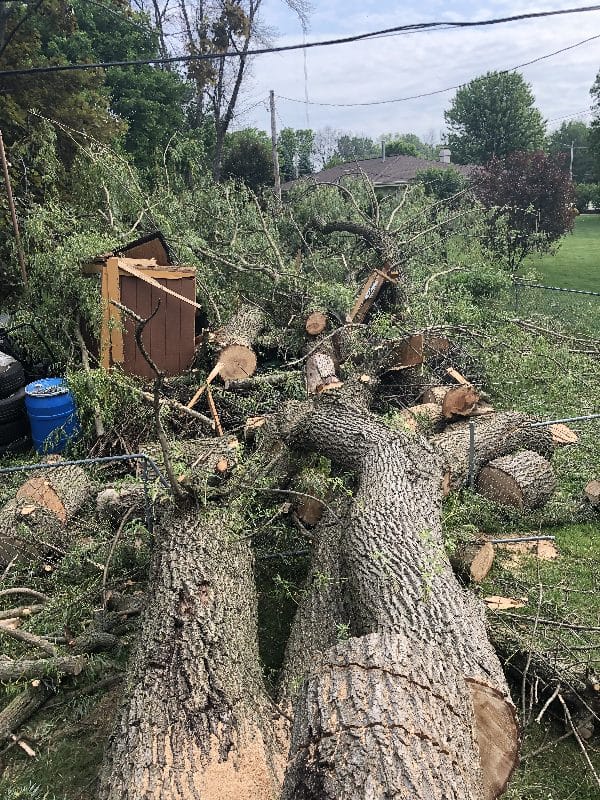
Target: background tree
<point>493,115</point>
<point>532,194</point>
<point>247,157</point>
<point>441,182</point>
<point>575,133</point>
<point>408,144</point>
<point>594,137</point>
<point>295,149</point>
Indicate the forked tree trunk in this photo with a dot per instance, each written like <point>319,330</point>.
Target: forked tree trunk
<point>400,583</point>
<point>196,724</point>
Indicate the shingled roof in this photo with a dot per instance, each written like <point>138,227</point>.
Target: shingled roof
<point>391,171</point>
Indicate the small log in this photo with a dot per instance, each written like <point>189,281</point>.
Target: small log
<point>473,560</point>
<point>421,417</point>
<point>316,323</point>
<point>321,368</point>
<point>30,669</point>
<point>22,708</point>
<point>61,491</point>
<point>524,480</point>
<point>435,394</point>
<point>460,401</point>
<point>235,342</point>
<point>592,493</point>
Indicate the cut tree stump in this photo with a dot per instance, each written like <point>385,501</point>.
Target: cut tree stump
<point>473,560</point>
<point>524,480</point>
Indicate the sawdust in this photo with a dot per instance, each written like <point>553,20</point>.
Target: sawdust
<point>516,553</point>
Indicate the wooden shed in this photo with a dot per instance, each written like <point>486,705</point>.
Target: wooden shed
<point>141,284</point>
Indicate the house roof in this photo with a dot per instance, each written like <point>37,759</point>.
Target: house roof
<point>391,171</point>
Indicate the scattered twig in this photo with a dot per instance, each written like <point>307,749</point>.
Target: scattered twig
<point>30,638</point>
<point>21,611</point>
<point>551,622</point>
<point>113,546</point>
<point>24,590</point>
<point>579,739</point>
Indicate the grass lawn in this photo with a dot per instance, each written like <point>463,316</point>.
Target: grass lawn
<point>576,264</point>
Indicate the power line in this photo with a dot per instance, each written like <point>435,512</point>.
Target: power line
<point>438,91</point>
<point>399,29</point>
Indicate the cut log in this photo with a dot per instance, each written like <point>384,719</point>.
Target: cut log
<point>460,401</point>
<point>421,417</point>
<point>524,480</point>
<point>592,493</point>
<point>62,491</point>
<point>399,580</point>
<point>496,435</point>
<point>235,342</point>
<point>380,719</point>
<point>322,367</point>
<point>316,323</point>
<point>473,560</point>
<point>197,722</point>
<point>28,531</point>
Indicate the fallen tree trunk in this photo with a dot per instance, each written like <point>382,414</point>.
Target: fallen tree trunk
<point>524,480</point>
<point>196,723</point>
<point>399,580</point>
<point>380,719</point>
<point>496,435</point>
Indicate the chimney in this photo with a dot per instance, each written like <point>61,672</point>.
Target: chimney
<point>444,155</point>
<point>382,150</point>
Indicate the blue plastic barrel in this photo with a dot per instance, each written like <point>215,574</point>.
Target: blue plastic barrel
<point>52,414</point>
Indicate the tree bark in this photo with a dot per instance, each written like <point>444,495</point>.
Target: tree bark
<point>398,577</point>
<point>496,435</point>
<point>524,480</point>
<point>196,722</point>
<point>381,719</point>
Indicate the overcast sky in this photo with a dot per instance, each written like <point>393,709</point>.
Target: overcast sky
<point>399,66</point>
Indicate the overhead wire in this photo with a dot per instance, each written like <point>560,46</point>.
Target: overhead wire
<point>396,30</point>
<point>438,91</point>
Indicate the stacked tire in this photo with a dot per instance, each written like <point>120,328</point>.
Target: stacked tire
<point>15,433</point>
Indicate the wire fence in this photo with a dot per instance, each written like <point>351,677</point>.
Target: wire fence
<point>580,308</point>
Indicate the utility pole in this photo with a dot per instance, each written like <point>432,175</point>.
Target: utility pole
<point>13,213</point>
<point>571,163</point>
<point>274,143</point>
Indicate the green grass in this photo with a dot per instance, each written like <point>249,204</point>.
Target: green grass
<point>576,264</point>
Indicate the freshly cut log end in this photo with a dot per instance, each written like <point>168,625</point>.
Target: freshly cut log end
<point>421,417</point>
<point>62,491</point>
<point>524,480</point>
<point>460,401</point>
<point>237,362</point>
<point>498,737</point>
<point>316,323</point>
<point>473,561</point>
<point>381,719</point>
<point>562,434</point>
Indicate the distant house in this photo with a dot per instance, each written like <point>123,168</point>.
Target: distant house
<point>386,173</point>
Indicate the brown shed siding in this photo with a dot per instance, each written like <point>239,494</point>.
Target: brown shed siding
<point>169,336</point>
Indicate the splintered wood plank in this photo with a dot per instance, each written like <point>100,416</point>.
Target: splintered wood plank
<point>143,276</point>
<point>105,331</point>
<point>498,603</point>
<point>369,293</point>
<point>456,376</point>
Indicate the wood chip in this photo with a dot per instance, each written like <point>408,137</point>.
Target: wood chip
<point>562,434</point>
<point>456,376</point>
<point>497,603</point>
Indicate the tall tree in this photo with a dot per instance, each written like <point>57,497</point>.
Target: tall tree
<point>408,144</point>
<point>493,115</point>
<point>219,27</point>
<point>295,149</point>
<point>574,136</point>
<point>594,138</point>
<point>247,157</point>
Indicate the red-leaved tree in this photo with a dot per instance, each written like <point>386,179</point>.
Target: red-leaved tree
<point>530,197</point>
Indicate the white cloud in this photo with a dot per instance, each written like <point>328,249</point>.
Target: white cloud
<point>399,66</point>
